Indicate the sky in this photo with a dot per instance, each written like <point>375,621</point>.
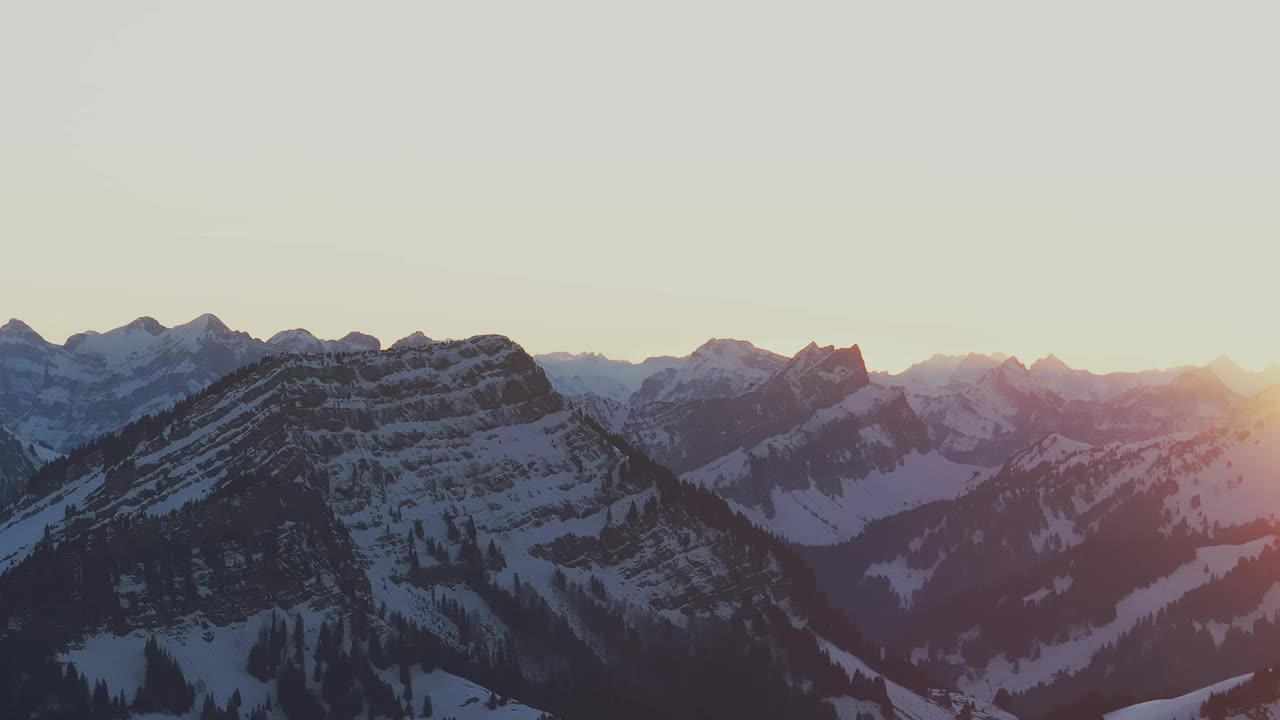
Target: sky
<point>1094,179</point>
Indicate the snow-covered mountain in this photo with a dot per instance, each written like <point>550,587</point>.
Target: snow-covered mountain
<point>1052,374</point>
<point>65,395</point>
<point>817,469</point>
<point>955,374</point>
<point>813,452</point>
<point>719,368</point>
<point>942,374</point>
<point>609,413</point>
<point>352,531</point>
<point>578,374</point>
<point>1134,567</point>
<point>302,341</point>
<point>990,419</point>
<point>1251,696</point>
<point>1010,408</point>
<point>415,339</point>
<point>1244,382</point>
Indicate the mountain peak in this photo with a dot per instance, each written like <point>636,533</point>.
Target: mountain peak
<point>1201,380</point>
<point>300,340</point>
<point>415,339</point>
<point>826,360</point>
<point>207,322</point>
<point>148,325</point>
<point>361,341</point>
<point>718,368</point>
<point>302,333</point>
<point>1050,363</point>
<point>1013,364</point>
<point>1225,364</point>
<point>724,346</point>
<point>812,350</point>
<point>18,329</point>
<point>1012,374</point>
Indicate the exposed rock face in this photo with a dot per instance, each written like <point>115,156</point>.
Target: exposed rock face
<point>688,435</point>
<point>18,462</point>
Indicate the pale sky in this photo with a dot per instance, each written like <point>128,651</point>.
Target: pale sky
<point>1095,179</point>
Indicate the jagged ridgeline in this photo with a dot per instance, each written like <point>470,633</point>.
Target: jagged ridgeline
<point>368,533</point>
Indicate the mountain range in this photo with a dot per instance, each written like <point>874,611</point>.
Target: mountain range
<point>61,396</point>
<point>475,523</point>
<point>308,524</point>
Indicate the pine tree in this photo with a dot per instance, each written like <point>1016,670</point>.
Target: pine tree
<point>101,700</point>
<point>164,687</point>
<point>497,560</point>
<point>299,644</point>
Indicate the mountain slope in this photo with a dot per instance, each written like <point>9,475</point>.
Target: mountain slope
<point>1010,408</point>
<point>64,395</point>
<point>1137,567</point>
<point>1184,706</point>
<point>1053,374</point>
<point>988,421</point>
<point>813,452</point>
<point>942,374</point>
<point>444,500</point>
<point>98,382</point>
<point>18,462</point>
<point>718,368</point>
<point>1241,381</point>
<point>577,374</point>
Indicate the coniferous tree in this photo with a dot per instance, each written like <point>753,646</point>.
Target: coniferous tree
<point>164,687</point>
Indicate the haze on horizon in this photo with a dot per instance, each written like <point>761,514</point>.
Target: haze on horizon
<point>1096,180</point>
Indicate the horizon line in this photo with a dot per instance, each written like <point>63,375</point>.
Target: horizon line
<point>1002,355</point>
